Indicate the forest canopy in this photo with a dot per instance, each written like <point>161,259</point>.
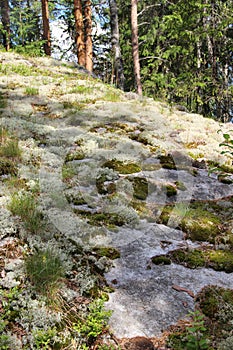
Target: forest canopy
<point>179,51</point>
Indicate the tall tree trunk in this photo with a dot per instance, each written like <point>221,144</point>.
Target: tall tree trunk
<point>79,26</point>
<point>5,14</point>
<point>88,35</point>
<point>115,38</point>
<point>46,29</point>
<point>134,28</point>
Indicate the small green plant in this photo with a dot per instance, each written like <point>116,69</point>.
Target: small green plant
<point>192,337</point>
<point>228,142</point>
<point>91,326</point>
<point>4,339</point>
<point>10,149</point>
<point>3,101</point>
<point>111,96</point>
<point>24,205</point>
<point>81,89</point>
<point>31,91</point>
<point>43,339</point>
<point>7,297</point>
<point>45,270</point>
<point>67,172</point>
<point>195,337</point>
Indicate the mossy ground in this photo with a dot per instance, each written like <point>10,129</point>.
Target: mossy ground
<point>122,167</point>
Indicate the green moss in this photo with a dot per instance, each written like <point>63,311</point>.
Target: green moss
<point>76,155</point>
<point>161,260</point>
<point>225,179</point>
<point>104,186</point>
<point>221,260</point>
<point>109,252</point>
<point>170,190</point>
<point>167,162</point>
<point>180,186</point>
<point>122,167</point>
<point>165,215</point>
<point>189,258</point>
<point>212,299</point>
<point>140,186</point>
<point>67,172</point>
<point>201,225</point>
<point>101,219</point>
<point>7,167</point>
<point>76,199</point>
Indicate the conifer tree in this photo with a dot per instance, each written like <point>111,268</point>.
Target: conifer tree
<point>46,29</point>
<point>5,16</point>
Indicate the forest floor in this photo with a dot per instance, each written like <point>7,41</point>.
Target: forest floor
<point>112,202</point>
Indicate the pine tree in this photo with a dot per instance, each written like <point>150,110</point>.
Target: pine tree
<point>135,49</point>
<point>5,16</point>
<point>79,27</point>
<point>88,35</point>
<point>46,29</point>
<point>119,78</point>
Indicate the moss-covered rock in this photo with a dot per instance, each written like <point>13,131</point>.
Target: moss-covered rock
<point>221,260</point>
<point>170,190</point>
<point>109,252</point>
<point>188,258</point>
<point>101,219</point>
<point>140,187</point>
<point>76,155</point>
<point>161,260</point>
<point>216,303</point>
<point>167,162</point>
<point>122,167</point>
<point>104,186</point>
<point>201,225</point>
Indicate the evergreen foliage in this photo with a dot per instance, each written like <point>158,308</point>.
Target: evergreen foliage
<point>185,47</point>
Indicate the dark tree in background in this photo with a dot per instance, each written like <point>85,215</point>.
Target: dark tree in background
<point>5,16</point>
<point>88,35</point>
<point>119,78</point>
<point>46,29</point>
<point>79,28</point>
<point>135,47</point>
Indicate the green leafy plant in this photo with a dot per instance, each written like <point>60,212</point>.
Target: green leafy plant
<point>24,205</point>
<point>45,270</point>
<point>228,142</point>
<point>44,338</point>
<point>92,325</point>
<point>7,297</point>
<point>192,337</point>
<point>195,336</point>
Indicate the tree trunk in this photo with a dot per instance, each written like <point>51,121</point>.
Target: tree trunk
<point>46,29</point>
<point>80,44</point>
<point>115,38</point>
<point>88,35</point>
<point>134,28</point>
<point>5,13</point>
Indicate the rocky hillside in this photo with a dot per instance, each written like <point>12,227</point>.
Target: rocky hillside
<point>109,202</point>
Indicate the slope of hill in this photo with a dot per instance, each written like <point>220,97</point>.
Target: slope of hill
<point>105,196</point>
